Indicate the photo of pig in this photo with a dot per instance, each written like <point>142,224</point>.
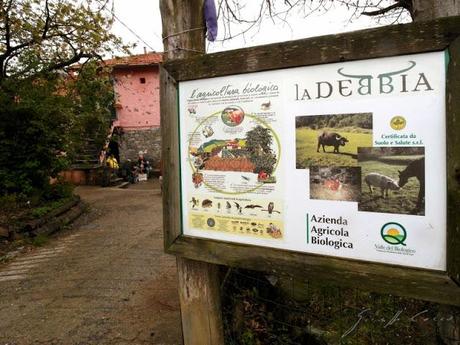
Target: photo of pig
<point>332,140</point>
<point>385,183</point>
<point>393,179</point>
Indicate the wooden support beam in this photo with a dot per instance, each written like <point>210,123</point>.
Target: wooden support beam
<point>453,161</point>
<point>199,287</point>
<point>390,40</point>
<point>199,295</point>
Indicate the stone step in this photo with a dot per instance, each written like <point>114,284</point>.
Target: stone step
<point>86,157</point>
<point>116,181</point>
<point>88,150</point>
<point>85,161</point>
<point>124,185</point>
<point>85,165</point>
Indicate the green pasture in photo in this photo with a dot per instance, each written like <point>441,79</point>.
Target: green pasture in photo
<point>402,201</point>
<point>307,143</point>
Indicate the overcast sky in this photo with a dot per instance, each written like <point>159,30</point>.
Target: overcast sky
<point>143,18</point>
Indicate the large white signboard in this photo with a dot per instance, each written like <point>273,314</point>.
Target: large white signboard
<point>344,160</point>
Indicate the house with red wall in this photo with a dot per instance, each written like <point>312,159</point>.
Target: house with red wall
<point>136,126</point>
<point>137,91</point>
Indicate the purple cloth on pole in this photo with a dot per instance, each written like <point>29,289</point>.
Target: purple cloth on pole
<point>210,16</point>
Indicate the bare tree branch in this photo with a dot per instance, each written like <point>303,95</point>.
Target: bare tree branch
<point>47,20</point>
<point>383,10</point>
<point>231,12</point>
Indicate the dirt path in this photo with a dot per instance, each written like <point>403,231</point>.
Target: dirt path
<point>105,281</point>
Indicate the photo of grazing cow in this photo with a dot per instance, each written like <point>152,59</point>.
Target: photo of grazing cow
<point>385,183</point>
<point>392,169</point>
<point>331,139</point>
<point>339,136</point>
<point>416,169</point>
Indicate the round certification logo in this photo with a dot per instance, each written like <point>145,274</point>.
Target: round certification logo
<point>398,123</point>
<point>393,233</point>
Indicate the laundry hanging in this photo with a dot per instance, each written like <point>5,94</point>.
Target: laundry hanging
<point>210,16</point>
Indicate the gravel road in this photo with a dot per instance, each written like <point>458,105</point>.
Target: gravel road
<point>105,280</point>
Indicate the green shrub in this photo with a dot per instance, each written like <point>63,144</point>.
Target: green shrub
<point>8,203</point>
<point>58,191</point>
<point>40,211</point>
<point>32,136</point>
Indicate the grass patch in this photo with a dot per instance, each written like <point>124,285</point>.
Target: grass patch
<point>40,211</point>
<point>399,159</point>
<point>403,201</point>
<point>39,240</point>
<point>43,210</point>
<point>307,143</point>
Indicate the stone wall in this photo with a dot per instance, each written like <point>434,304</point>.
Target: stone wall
<point>133,141</point>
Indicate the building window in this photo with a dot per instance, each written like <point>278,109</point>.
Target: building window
<point>142,80</point>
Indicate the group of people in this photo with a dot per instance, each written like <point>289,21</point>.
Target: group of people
<point>132,171</point>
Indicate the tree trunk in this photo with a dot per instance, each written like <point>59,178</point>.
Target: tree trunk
<point>199,288</point>
<point>431,9</point>
<point>183,28</point>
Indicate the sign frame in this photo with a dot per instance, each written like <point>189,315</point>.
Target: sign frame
<point>422,37</point>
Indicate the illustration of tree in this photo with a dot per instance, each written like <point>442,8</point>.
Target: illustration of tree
<point>258,140</point>
<point>258,145</point>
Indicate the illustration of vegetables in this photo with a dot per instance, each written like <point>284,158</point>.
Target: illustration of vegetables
<point>197,179</point>
<point>232,116</point>
<point>274,231</point>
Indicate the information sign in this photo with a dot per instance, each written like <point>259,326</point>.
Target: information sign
<point>343,159</point>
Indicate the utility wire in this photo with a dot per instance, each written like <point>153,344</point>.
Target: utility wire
<point>131,30</point>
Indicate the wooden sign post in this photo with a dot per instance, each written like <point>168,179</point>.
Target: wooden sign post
<point>198,281</point>
<point>333,158</point>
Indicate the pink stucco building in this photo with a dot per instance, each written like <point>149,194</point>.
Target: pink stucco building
<point>137,89</point>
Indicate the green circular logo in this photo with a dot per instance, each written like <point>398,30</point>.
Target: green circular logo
<point>393,233</point>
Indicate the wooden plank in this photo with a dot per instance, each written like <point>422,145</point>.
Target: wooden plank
<point>426,285</point>
<point>453,161</point>
<point>365,44</point>
<point>200,302</point>
<point>170,157</point>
